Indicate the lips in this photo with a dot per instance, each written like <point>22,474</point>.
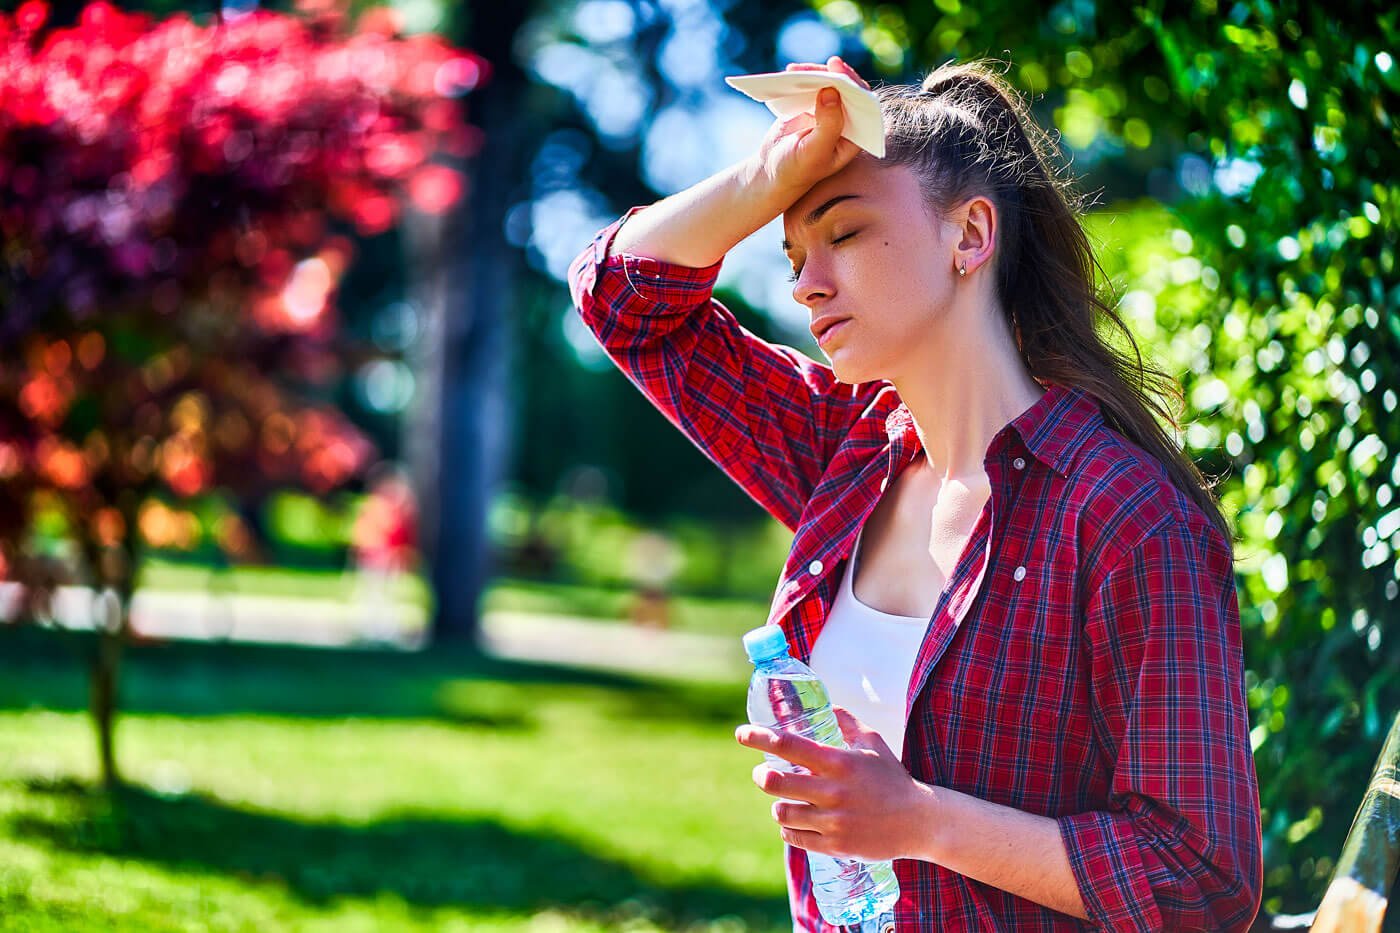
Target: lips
<point>823,325</point>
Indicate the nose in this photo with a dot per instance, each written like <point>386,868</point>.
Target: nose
<point>813,286</point>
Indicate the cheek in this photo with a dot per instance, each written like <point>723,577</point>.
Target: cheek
<point>905,289</point>
<point>901,271</point>
<point>898,294</point>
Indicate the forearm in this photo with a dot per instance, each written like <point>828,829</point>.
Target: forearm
<point>698,226</point>
<point>1009,849</point>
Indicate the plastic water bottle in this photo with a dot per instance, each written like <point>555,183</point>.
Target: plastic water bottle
<point>785,695</point>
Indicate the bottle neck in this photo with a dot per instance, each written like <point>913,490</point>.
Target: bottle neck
<point>782,662</point>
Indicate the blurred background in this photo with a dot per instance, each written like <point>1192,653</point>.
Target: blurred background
<point>345,584</point>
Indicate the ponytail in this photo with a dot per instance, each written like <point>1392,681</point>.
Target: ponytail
<point>964,132</point>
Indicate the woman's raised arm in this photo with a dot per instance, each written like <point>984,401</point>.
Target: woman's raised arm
<point>769,416</point>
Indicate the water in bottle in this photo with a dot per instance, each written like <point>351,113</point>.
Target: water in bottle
<point>786,696</point>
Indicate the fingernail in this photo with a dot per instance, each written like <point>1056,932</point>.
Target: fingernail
<point>828,96</point>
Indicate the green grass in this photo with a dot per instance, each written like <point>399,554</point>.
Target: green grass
<point>279,788</point>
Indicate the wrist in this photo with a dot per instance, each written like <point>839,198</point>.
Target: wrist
<point>760,187</point>
<point>930,813</point>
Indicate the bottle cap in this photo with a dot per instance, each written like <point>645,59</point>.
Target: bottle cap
<point>765,642</point>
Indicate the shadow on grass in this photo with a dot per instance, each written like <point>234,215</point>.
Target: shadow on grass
<point>46,669</point>
<point>425,861</point>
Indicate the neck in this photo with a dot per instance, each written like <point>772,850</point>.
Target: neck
<point>967,384</point>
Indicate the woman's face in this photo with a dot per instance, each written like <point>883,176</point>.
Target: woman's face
<point>866,251</point>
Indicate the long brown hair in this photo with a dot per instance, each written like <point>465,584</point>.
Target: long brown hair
<point>967,132</point>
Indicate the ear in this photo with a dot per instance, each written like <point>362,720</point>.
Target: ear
<point>976,236</point>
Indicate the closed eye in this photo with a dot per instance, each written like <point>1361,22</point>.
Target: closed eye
<point>795,273</point>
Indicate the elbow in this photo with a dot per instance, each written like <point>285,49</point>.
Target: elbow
<point>1242,906</point>
<point>1234,907</point>
<point>1240,867</point>
<point>1223,893</point>
<point>1174,875</point>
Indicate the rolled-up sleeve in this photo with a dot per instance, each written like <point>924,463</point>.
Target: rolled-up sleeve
<point>1178,847</point>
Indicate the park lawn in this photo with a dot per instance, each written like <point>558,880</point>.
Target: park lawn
<point>282,788</point>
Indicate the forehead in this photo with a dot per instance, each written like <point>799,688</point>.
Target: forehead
<point>873,184</point>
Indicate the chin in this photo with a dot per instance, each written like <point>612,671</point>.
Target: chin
<point>848,372</point>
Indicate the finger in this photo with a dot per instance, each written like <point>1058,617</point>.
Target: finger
<point>830,118</point>
<point>807,787</point>
<point>858,733</point>
<point>838,64</point>
<point>793,124</point>
<point>793,815</point>
<point>845,152</point>
<point>833,64</point>
<point>852,728</point>
<point>801,838</point>
<point>830,114</point>
<point>790,747</point>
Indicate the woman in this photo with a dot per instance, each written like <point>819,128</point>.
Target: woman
<point>1041,614</point>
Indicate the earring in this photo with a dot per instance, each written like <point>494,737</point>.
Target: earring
<point>962,270</point>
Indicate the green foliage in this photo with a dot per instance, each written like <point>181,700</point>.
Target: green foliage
<point>1304,339</point>
<point>1270,290</point>
<point>594,543</point>
<point>310,525</point>
<point>301,530</point>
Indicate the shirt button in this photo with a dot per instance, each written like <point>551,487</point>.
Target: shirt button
<point>1019,463</point>
<point>815,567</point>
<point>1020,574</point>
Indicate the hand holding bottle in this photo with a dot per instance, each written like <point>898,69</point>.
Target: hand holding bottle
<point>853,802</point>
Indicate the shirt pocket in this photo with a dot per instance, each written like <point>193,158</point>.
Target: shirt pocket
<point>1015,703</point>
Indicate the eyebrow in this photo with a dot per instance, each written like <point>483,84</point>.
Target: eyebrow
<point>816,214</point>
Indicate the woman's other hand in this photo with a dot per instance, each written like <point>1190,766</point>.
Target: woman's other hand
<point>857,802</point>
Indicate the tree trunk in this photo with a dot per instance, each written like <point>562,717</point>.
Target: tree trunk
<point>113,572</point>
<point>104,671</point>
<point>457,438</point>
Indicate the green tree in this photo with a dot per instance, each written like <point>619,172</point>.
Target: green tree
<point>1270,290</point>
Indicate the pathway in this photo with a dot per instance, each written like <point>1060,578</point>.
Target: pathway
<point>201,615</point>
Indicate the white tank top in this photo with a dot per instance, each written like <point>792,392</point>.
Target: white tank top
<point>865,658</point>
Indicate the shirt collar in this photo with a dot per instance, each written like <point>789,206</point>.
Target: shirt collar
<point>1053,429</point>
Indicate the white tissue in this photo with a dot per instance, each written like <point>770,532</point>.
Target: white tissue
<point>788,93</point>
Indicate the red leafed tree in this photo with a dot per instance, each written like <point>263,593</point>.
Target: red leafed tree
<point>169,198</point>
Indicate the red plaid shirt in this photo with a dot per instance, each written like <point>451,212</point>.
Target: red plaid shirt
<point>1084,660</point>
